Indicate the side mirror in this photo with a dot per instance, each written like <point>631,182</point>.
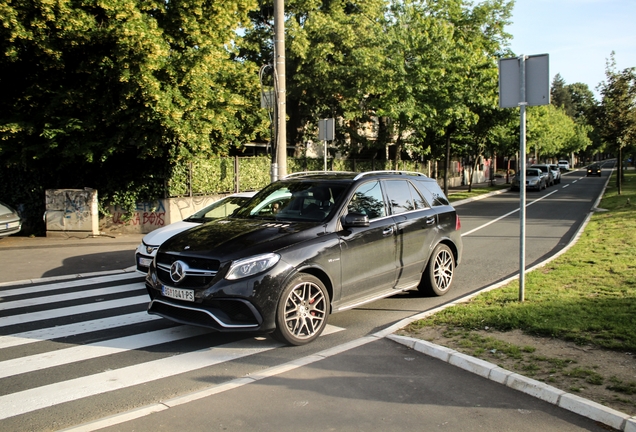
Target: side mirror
<point>351,220</point>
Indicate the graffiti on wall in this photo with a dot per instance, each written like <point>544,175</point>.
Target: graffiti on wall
<point>70,209</point>
<point>146,215</point>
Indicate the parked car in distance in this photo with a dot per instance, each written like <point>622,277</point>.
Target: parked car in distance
<point>147,249</point>
<point>547,173</point>
<point>564,164</point>
<point>535,179</point>
<point>10,222</point>
<point>594,170</point>
<point>339,241</point>
<point>556,173</point>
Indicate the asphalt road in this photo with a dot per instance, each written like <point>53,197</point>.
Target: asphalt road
<point>72,352</point>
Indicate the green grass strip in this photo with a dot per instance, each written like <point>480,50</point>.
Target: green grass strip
<point>587,295</point>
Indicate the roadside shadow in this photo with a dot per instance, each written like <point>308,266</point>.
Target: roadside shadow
<point>97,262</point>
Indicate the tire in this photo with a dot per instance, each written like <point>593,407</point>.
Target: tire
<point>302,311</point>
<point>438,275</point>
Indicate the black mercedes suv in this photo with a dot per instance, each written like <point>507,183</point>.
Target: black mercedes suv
<point>307,246</point>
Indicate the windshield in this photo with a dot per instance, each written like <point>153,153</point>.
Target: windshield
<point>293,201</point>
<point>219,209</point>
<point>533,173</point>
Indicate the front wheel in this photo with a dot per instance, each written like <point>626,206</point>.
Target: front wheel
<point>438,275</point>
<point>302,311</point>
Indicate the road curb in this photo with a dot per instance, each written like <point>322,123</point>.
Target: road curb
<point>581,406</point>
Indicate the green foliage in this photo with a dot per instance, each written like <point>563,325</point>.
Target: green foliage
<point>560,97</point>
<point>149,84</point>
<point>551,132</point>
<point>617,113</point>
<point>254,173</point>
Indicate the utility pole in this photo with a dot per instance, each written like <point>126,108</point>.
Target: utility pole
<point>279,170</point>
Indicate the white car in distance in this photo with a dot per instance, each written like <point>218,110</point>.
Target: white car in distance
<point>147,250</point>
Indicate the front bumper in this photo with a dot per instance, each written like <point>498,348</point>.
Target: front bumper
<point>222,315</point>
<point>247,304</point>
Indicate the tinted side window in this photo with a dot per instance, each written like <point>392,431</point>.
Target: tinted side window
<point>403,197</point>
<point>368,200</point>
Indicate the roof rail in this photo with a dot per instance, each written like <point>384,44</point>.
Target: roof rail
<point>302,173</point>
<point>359,176</point>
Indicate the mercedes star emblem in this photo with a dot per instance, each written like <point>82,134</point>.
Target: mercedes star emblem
<point>178,271</point>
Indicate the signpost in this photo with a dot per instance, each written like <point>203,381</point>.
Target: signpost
<point>523,81</point>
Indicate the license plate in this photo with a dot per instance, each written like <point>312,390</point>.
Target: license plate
<point>145,262</point>
<point>178,293</point>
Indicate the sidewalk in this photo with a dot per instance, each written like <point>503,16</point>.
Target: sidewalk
<point>33,258</point>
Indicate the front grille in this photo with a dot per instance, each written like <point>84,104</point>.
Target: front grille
<point>200,274</point>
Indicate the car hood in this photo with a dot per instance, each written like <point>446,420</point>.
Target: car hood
<point>7,213</point>
<point>160,235</point>
<point>228,239</point>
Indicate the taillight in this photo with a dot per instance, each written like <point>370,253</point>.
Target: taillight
<point>458,224</point>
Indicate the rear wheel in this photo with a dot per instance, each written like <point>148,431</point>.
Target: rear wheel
<point>438,275</point>
<point>302,311</point>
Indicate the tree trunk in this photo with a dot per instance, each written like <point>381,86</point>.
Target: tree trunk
<point>619,176</point>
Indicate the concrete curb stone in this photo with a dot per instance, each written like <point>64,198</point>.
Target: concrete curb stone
<point>538,389</point>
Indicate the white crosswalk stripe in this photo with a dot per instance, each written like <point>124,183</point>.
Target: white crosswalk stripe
<point>65,391</point>
<point>66,330</point>
<point>35,301</point>
<point>30,344</point>
<point>97,349</point>
<point>72,310</point>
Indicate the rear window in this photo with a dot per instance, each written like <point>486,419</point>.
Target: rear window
<point>432,193</point>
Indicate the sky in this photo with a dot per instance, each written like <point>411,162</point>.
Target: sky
<point>578,35</point>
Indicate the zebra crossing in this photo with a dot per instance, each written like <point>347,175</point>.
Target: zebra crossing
<point>61,343</point>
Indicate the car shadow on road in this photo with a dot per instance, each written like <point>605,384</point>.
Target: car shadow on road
<point>97,262</point>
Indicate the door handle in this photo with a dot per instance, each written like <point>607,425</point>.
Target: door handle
<point>430,221</point>
<point>387,231</point>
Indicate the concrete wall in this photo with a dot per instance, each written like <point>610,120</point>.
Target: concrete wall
<point>71,211</point>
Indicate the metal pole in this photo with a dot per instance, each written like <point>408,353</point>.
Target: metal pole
<point>522,179</point>
<point>279,65</point>
<point>325,155</point>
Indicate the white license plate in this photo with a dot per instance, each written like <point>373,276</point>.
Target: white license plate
<point>178,293</point>
<point>145,262</point>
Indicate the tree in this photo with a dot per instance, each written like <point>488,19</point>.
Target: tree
<point>617,113</point>
<point>479,40</point>
<point>549,131</point>
<point>117,91</point>
<point>560,97</point>
<point>583,101</point>
<point>335,54</point>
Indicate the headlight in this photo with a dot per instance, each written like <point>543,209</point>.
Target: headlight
<point>251,266</point>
